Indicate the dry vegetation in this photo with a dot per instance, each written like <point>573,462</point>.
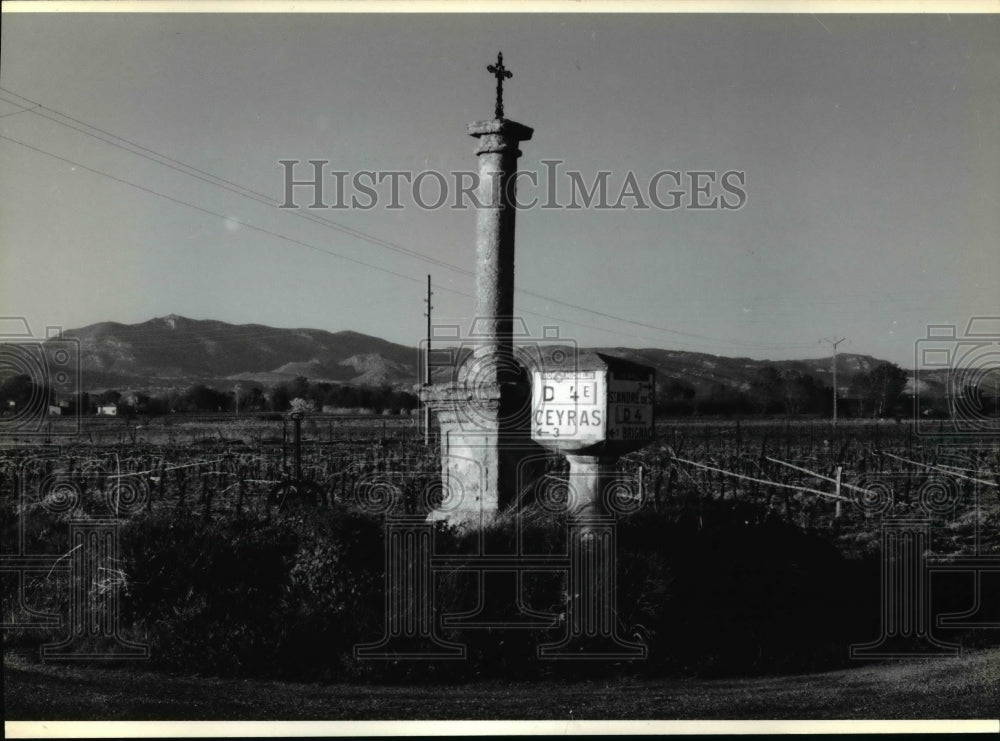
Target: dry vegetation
<point>738,564</point>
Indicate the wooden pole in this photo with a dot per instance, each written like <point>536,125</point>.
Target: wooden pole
<point>837,492</point>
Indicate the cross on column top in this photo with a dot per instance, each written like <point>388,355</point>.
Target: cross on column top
<point>501,73</point>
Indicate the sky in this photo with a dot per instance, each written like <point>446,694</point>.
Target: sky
<point>868,143</point>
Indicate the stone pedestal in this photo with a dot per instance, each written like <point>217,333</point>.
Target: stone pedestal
<point>589,479</point>
<point>487,455</point>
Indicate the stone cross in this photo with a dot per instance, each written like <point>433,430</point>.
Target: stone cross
<point>501,73</point>
<point>487,453</point>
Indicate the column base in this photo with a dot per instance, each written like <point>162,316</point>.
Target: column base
<point>486,449</point>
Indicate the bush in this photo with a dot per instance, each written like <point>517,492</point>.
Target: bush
<point>334,595</point>
<point>291,597</point>
<point>208,596</point>
<point>287,597</point>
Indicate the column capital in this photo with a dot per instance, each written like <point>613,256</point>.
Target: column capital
<point>499,135</point>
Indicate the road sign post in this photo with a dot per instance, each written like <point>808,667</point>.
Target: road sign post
<point>593,415</point>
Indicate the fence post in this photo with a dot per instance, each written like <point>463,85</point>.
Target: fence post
<point>837,490</point>
<point>284,442</point>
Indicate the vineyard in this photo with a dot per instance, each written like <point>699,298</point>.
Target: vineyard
<point>752,539</point>
<point>217,466</point>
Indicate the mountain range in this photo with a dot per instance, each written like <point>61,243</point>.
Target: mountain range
<point>173,352</point>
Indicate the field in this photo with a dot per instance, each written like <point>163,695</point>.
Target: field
<point>219,465</point>
<point>756,552</point>
<point>964,687</point>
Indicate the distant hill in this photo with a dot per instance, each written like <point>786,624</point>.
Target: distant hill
<point>702,370</point>
<point>175,352</point>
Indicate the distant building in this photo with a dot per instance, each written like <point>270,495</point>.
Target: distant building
<point>108,410</point>
<point>328,409</point>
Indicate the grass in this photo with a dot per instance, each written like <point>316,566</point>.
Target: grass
<point>962,687</point>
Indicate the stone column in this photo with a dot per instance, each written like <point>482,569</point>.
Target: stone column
<point>483,413</point>
<point>589,476</point>
<point>493,329</point>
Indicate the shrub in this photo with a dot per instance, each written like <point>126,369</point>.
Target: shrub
<point>208,596</point>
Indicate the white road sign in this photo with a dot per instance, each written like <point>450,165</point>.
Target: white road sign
<point>592,406</point>
<point>630,408</point>
<point>569,406</point>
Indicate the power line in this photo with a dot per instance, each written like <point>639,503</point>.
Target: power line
<point>258,197</point>
<point>272,233</point>
<point>14,113</point>
<point>221,182</point>
<point>207,210</point>
<point>653,326</point>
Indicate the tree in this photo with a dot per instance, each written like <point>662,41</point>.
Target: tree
<point>767,389</point>
<point>674,396</point>
<point>201,398</point>
<point>802,393</point>
<point>299,387</point>
<point>155,405</point>
<point>879,389</point>
<point>722,399</point>
<point>110,396</point>
<point>135,403</point>
<point>19,389</point>
<point>81,403</point>
<point>253,400</point>
<point>981,398</point>
<point>280,398</point>
<point>301,405</point>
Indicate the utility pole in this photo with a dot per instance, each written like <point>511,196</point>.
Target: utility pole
<point>236,395</point>
<point>427,363</point>
<point>834,341</point>
<point>996,391</point>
